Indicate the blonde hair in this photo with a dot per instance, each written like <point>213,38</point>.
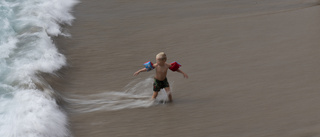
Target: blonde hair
<point>162,56</point>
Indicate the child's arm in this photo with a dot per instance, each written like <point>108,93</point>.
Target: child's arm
<point>184,74</point>
<point>141,70</point>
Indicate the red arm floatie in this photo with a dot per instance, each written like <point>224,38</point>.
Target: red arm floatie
<point>174,66</point>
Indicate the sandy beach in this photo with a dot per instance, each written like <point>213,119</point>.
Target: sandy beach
<point>253,67</point>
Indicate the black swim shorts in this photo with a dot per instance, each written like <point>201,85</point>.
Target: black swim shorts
<point>157,85</point>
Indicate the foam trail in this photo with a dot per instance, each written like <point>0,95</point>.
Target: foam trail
<point>27,107</point>
<point>134,96</point>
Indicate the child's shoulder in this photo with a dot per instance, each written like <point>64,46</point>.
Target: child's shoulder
<point>168,65</point>
<point>155,65</point>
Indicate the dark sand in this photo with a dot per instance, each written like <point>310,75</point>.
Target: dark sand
<point>253,66</point>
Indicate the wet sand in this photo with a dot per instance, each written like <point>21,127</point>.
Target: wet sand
<point>253,66</point>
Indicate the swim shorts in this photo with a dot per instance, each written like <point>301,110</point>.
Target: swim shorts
<point>157,85</point>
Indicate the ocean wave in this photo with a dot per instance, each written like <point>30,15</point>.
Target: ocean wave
<point>28,108</point>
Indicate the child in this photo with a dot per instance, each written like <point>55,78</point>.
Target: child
<point>160,79</point>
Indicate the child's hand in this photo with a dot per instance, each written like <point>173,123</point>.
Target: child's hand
<point>185,75</point>
<point>136,73</point>
<point>141,70</point>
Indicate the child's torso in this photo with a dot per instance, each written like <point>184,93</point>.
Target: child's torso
<point>161,72</point>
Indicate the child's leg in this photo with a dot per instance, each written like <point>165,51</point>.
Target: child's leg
<point>169,93</point>
<point>155,94</point>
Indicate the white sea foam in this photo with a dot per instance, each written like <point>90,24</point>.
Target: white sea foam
<point>30,113</point>
<point>27,49</point>
<point>135,95</point>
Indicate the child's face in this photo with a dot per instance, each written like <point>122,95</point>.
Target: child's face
<point>160,60</point>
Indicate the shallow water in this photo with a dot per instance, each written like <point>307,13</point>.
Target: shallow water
<point>252,68</point>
